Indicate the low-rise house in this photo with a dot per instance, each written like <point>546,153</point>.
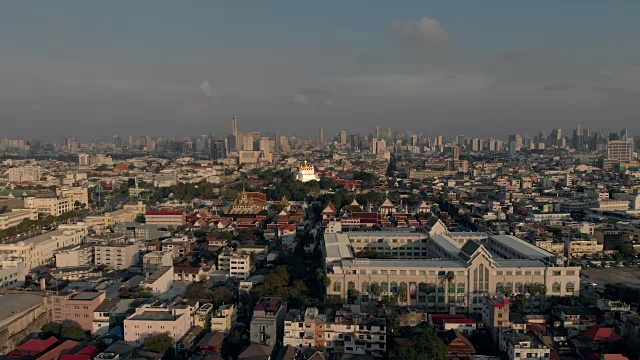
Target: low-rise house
<point>523,346</point>
<point>458,346</point>
<point>224,318</point>
<point>189,274</point>
<point>202,316</point>
<point>148,320</point>
<point>78,307</point>
<point>459,322</point>
<point>160,281</point>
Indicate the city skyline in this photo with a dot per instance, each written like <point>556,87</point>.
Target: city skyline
<point>166,70</point>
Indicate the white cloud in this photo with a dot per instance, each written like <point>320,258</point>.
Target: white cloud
<point>425,33</point>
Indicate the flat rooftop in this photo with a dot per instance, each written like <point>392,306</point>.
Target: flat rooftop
<point>86,296</point>
<point>155,316</point>
<point>12,305</point>
<point>522,247</point>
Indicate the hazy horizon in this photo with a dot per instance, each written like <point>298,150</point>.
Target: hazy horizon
<point>160,68</point>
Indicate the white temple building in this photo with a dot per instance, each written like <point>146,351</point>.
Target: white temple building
<point>306,172</point>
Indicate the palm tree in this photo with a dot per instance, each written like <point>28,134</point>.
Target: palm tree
<point>450,277</point>
<point>402,293</point>
<point>375,290</point>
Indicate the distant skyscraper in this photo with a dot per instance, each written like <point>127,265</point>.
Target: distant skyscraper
<point>620,150</point>
<point>265,148</point>
<point>247,142</point>
<point>234,126</point>
<point>343,137</point>
<point>218,150</point>
<point>624,135</point>
<point>456,152</point>
<point>378,132</point>
<point>278,148</point>
<point>117,142</point>
<point>236,136</point>
<point>321,135</point>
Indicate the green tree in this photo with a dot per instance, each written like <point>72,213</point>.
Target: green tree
<point>51,329</point>
<point>425,345</point>
<point>159,343</point>
<point>222,295</point>
<point>73,331</point>
<point>375,290</point>
<point>253,259</point>
<point>352,296</point>
<point>402,293</point>
<point>140,218</point>
<point>196,291</point>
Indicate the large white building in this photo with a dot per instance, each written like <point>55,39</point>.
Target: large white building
<point>53,206</point>
<point>39,250</point>
<point>238,265</point>
<point>443,271</point>
<point>620,150</point>
<point>77,255</point>
<point>349,332</point>
<point>116,256</point>
<point>306,172</point>
<point>17,216</point>
<point>24,174</point>
<point>148,320</point>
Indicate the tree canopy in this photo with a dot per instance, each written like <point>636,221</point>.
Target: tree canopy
<point>425,345</point>
<point>159,343</point>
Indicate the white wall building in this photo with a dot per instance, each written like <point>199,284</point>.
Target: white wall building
<point>17,216</point>
<point>39,250</point>
<point>116,256</point>
<point>24,174</point>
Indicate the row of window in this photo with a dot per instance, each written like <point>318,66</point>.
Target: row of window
<point>402,272</point>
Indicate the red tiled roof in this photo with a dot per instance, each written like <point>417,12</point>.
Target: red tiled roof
<point>597,333</point>
<point>36,346</point>
<point>56,351</point>
<point>86,353</point>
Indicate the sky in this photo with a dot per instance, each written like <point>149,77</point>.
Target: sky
<point>183,68</point>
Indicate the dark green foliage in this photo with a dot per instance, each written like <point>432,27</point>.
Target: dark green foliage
<point>159,343</point>
<point>425,345</point>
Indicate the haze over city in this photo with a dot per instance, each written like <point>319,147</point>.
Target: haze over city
<point>91,70</point>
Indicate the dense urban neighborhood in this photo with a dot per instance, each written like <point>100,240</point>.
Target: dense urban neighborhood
<point>390,245</point>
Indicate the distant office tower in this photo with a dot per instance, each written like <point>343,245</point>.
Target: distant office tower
<point>218,150</point>
<point>577,138</point>
<point>413,140</point>
<point>70,142</point>
<point>231,143</point>
<point>476,144</point>
<point>377,132</point>
<point>265,147</point>
<point>374,146</point>
<point>234,126</point>
<point>619,150</point>
<point>83,159</point>
<point>624,135</point>
<point>117,142</point>
<point>321,135</point>
<point>354,141</point>
<point>277,147</point>
<point>343,137</point>
<point>456,152</point>
<point>236,135</point>
<point>247,142</point>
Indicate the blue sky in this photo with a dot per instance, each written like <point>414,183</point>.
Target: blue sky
<point>290,65</point>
